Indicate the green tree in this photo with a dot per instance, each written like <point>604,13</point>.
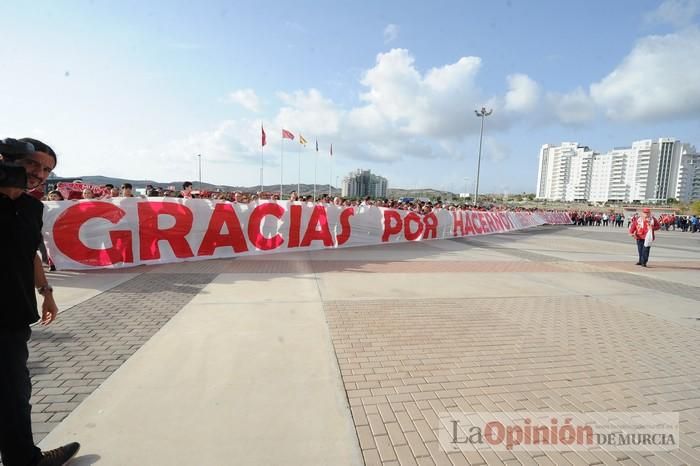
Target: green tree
<point>695,208</point>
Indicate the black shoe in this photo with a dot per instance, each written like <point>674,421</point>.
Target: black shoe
<point>59,456</point>
<point>638,263</point>
<point>644,265</point>
<point>52,268</point>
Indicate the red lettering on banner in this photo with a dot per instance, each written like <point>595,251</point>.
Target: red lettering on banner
<point>224,214</point>
<point>254,222</point>
<point>497,223</point>
<point>476,223</point>
<point>485,223</point>
<point>66,235</point>
<point>294,226</point>
<point>485,227</point>
<point>457,222</point>
<point>505,220</point>
<point>346,229</point>
<point>319,218</point>
<point>468,224</point>
<point>431,223</point>
<point>491,220</point>
<point>412,217</point>
<point>392,224</point>
<point>150,234</point>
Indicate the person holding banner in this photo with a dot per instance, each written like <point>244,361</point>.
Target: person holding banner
<point>21,272</point>
<point>186,192</point>
<point>642,229</point>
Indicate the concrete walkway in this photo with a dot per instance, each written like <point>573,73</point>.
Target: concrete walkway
<point>347,357</point>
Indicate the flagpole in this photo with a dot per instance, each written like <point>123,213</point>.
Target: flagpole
<point>299,174</point>
<point>330,181</point>
<point>281,167</point>
<point>263,141</point>
<point>315,170</point>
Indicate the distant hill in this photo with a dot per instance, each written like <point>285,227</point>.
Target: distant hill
<point>396,193</point>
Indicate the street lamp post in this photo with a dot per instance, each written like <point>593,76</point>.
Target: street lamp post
<point>483,113</point>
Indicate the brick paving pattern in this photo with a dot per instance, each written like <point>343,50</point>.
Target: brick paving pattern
<point>403,362</point>
<point>70,358</point>
<point>511,251</point>
<point>677,289</point>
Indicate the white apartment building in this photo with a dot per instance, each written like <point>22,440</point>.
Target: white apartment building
<point>648,171</point>
<point>564,171</point>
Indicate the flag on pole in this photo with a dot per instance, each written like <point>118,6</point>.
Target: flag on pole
<point>301,139</point>
<point>264,136</point>
<point>287,135</point>
<point>331,150</point>
<point>316,145</point>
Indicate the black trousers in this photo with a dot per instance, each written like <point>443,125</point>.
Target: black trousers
<point>16,442</point>
<point>643,251</point>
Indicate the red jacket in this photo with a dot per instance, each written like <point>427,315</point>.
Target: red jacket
<point>640,226</point>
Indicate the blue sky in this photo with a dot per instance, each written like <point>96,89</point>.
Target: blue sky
<point>137,89</point>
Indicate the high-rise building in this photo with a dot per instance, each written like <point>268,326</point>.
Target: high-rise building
<point>564,172</point>
<point>362,183</point>
<point>648,171</point>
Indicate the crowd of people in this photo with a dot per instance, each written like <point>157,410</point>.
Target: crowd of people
<point>685,223</point>
<point>126,190</point>
<point>589,218</point>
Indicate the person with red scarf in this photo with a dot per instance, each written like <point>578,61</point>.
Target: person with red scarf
<point>642,229</point>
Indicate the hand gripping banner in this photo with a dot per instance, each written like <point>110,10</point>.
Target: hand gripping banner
<point>126,232</point>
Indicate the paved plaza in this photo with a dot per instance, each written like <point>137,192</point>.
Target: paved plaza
<point>347,357</point>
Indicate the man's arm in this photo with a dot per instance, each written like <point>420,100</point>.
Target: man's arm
<point>49,308</point>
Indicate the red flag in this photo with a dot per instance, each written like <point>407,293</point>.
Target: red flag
<point>287,135</point>
<point>331,150</point>
<point>264,137</point>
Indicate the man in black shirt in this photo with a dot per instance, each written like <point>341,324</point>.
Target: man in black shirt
<point>21,271</point>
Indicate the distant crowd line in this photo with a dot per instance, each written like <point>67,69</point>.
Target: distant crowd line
<point>126,190</point>
<point>686,223</point>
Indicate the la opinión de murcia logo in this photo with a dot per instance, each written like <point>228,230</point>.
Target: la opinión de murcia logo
<point>554,431</point>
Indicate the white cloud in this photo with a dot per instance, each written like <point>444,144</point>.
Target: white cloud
<point>230,141</point>
<point>677,13</point>
<point>308,111</point>
<point>495,150</point>
<point>246,98</point>
<point>391,33</point>
<point>434,105</point>
<point>523,93</point>
<point>655,80</point>
<point>573,108</point>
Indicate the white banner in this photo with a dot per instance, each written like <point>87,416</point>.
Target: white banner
<point>126,232</point>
